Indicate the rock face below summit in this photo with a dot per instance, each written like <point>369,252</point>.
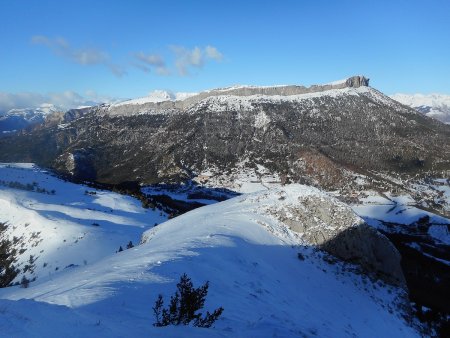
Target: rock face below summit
<point>323,221</point>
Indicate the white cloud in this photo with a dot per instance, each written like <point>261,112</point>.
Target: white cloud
<point>19,100</point>
<point>194,58</point>
<point>117,70</point>
<point>148,61</point>
<point>82,56</point>
<point>63,100</point>
<point>212,53</point>
<point>151,59</point>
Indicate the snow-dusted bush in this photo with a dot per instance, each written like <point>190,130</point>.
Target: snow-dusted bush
<point>184,305</point>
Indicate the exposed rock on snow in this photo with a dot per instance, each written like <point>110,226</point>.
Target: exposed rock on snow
<point>325,222</point>
<point>371,249</point>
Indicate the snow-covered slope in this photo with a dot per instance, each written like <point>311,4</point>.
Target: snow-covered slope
<point>62,224</point>
<point>220,103</point>
<point>433,105</point>
<point>255,271</point>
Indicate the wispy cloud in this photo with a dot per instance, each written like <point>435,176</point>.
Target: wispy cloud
<point>212,53</point>
<point>63,100</point>
<point>194,58</point>
<point>182,61</point>
<point>146,62</point>
<point>82,56</point>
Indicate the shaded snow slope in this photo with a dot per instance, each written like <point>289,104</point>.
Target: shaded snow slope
<point>62,224</point>
<point>252,264</point>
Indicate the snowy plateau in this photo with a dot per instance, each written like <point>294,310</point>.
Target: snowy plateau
<point>83,287</point>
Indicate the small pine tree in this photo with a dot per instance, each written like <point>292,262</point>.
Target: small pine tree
<point>120,249</point>
<point>158,311</point>
<point>25,282</point>
<point>184,305</point>
<point>130,245</point>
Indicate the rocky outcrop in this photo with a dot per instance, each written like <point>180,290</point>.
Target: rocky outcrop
<point>357,81</point>
<point>370,249</point>
<point>331,225</point>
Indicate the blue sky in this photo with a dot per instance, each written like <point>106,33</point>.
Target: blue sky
<point>125,49</point>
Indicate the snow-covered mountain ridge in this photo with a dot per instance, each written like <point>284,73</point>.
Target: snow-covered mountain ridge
<point>161,101</point>
<point>267,276</point>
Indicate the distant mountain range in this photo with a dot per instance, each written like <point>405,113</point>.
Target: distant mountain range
<point>436,106</point>
<point>17,119</point>
<point>432,105</point>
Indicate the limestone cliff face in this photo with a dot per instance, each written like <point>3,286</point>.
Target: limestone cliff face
<point>357,81</point>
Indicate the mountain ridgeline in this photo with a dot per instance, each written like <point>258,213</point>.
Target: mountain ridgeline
<point>312,135</point>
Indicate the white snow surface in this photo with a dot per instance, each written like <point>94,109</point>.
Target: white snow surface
<point>247,103</point>
<point>156,96</point>
<point>337,82</point>
<point>68,228</point>
<point>246,254</point>
<point>376,207</point>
